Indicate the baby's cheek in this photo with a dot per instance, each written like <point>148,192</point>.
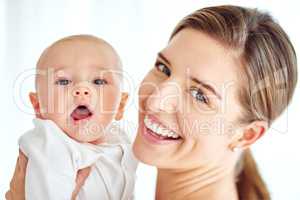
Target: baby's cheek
<point>53,102</point>
<point>61,100</point>
<point>109,100</point>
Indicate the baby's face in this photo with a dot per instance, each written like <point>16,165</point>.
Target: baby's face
<point>78,87</point>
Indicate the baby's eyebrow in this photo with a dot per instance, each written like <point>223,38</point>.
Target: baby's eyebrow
<point>60,71</point>
<point>52,68</point>
<point>108,67</point>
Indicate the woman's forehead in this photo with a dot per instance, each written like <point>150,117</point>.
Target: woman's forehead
<point>193,52</point>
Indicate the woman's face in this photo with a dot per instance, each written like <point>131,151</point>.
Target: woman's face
<point>188,104</point>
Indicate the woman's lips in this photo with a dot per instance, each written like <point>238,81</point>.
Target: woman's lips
<point>155,138</point>
<point>154,119</point>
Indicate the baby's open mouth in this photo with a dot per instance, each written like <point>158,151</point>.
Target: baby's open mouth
<point>81,112</point>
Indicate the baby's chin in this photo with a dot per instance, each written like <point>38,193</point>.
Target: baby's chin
<point>84,131</point>
<point>84,135</point>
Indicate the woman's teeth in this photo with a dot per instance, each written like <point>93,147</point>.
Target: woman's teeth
<point>159,129</point>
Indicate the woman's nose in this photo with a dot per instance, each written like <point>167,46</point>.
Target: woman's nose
<point>164,98</point>
<point>81,92</point>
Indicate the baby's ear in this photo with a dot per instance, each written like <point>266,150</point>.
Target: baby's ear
<point>121,109</point>
<point>35,104</point>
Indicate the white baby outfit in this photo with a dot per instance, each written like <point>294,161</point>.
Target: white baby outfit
<point>54,159</point>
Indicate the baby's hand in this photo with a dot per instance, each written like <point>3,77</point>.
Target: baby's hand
<point>82,175</point>
<point>17,184</point>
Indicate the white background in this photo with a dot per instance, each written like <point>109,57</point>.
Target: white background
<point>138,29</point>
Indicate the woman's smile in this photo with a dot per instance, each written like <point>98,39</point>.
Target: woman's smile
<point>156,132</point>
<point>224,76</point>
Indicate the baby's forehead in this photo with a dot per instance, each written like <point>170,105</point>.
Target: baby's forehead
<point>79,48</point>
<point>92,52</point>
<point>77,39</point>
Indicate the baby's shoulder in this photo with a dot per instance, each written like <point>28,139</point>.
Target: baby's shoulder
<point>43,137</point>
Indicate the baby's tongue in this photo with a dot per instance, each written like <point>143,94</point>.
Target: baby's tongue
<point>81,112</point>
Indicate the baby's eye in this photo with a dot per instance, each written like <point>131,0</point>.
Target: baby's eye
<point>163,68</point>
<point>99,81</point>
<point>198,95</point>
<point>63,82</point>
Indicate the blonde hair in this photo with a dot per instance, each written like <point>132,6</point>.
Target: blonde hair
<point>269,72</point>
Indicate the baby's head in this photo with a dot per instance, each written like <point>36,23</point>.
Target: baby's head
<point>78,86</point>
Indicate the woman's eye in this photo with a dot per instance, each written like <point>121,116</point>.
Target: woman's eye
<point>63,82</point>
<point>99,81</point>
<point>163,68</point>
<point>198,95</point>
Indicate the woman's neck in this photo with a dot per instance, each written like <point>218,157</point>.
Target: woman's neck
<point>198,183</point>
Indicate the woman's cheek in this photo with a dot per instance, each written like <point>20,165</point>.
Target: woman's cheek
<point>202,134</point>
<point>148,86</point>
<point>195,125</point>
<point>152,80</point>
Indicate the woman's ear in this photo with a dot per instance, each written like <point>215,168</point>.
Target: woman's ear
<point>121,109</point>
<point>35,104</point>
<point>249,135</point>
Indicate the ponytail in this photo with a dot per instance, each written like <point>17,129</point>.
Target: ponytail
<point>250,184</point>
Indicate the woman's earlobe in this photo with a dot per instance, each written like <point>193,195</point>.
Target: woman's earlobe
<point>250,134</point>
<point>255,131</point>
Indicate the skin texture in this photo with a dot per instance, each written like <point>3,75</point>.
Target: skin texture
<point>82,60</point>
<point>201,164</point>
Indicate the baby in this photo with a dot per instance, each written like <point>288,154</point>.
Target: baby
<point>78,95</point>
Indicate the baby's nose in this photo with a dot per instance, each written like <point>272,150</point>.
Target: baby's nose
<point>81,92</point>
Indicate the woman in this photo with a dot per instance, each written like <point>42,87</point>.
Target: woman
<point>226,74</point>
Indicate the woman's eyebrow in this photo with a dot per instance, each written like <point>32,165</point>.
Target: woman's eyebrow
<point>161,56</point>
<point>207,86</point>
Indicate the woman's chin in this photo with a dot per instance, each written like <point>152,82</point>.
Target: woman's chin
<point>142,154</point>
<point>145,155</point>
